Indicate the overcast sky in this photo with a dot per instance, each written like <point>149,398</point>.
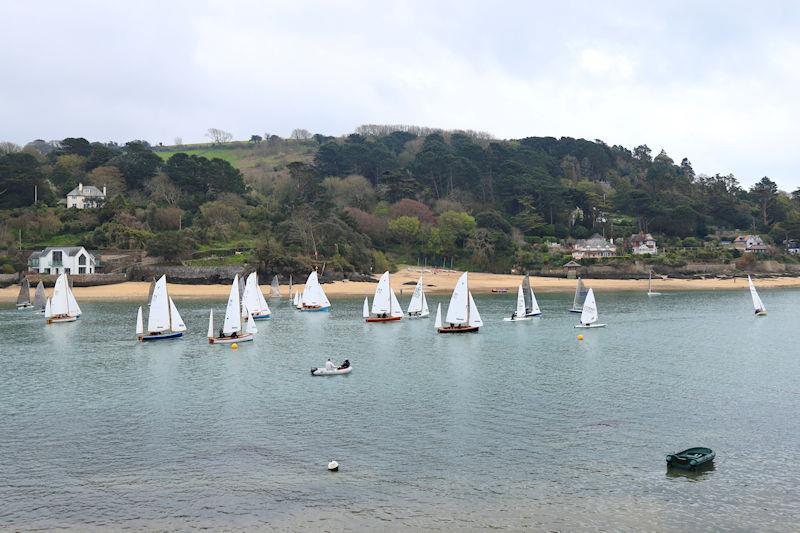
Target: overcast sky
<point>716,83</point>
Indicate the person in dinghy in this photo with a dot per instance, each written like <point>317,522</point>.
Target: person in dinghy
<point>331,369</point>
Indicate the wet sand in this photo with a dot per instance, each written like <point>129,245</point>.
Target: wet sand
<point>436,281</point>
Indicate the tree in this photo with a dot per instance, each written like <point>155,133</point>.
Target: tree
<point>405,230</point>
<point>219,136</point>
<point>765,192</point>
<point>109,177</point>
<point>162,190</point>
<point>172,246</point>
<point>19,176</point>
<point>412,208</point>
<point>137,162</point>
<point>9,148</point>
<point>455,227</point>
<point>256,139</point>
<point>300,134</point>
<point>352,191</point>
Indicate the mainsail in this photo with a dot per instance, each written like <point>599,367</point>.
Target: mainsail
<point>757,303</point>
<point>589,313</point>
<point>458,309</point>
<point>233,315</point>
<point>580,296</point>
<point>275,288</point>
<point>24,296</point>
<point>39,297</point>
<point>520,311</point>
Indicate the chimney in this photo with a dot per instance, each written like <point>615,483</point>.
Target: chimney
<point>104,190</point>
<point>80,187</point>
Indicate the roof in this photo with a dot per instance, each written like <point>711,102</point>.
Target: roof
<point>572,263</point>
<point>88,190</point>
<point>71,251</point>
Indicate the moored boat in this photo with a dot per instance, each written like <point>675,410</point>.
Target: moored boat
<point>691,459</point>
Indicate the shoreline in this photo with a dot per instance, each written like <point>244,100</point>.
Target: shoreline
<point>439,282</point>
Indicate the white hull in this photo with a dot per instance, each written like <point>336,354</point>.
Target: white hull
<point>761,313</point>
<point>334,372</point>
<point>25,306</point>
<point>654,294</point>
<point>230,340</point>
<point>62,319</point>
<point>590,326</point>
<point>426,315</point>
<point>531,315</point>
<point>517,319</point>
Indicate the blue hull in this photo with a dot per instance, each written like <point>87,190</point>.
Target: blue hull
<point>162,337</point>
<point>262,317</point>
<point>320,310</point>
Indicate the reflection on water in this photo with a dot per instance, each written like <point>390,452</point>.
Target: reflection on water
<point>520,425</point>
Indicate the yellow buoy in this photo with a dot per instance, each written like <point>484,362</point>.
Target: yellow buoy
<point>580,337</point>
<point>234,346</point>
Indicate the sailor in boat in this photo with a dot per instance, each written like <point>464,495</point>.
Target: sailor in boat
<point>345,364</point>
<point>329,365</point>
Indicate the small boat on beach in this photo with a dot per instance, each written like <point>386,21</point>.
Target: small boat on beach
<point>333,370</point>
<point>418,307</point>
<point>231,331</point>
<point>589,313</point>
<point>163,319</point>
<point>313,298</point>
<point>691,459</point>
<point>61,306</point>
<point>580,297</point>
<point>462,313</point>
<point>758,305</point>
<point>24,295</point>
<point>385,306</point>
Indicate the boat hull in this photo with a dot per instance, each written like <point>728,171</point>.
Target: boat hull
<point>336,372</point>
<point>691,459</point>
<point>531,315</point>
<point>230,340</point>
<point>458,329</point>
<point>654,294</point>
<point>262,317</point>
<point>761,313</point>
<point>162,337</point>
<point>573,310</point>
<point>426,315</point>
<point>314,309</point>
<point>590,326</point>
<point>25,306</point>
<point>62,319</point>
<point>517,319</point>
<point>386,319</point>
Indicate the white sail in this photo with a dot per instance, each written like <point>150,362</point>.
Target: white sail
<point>139,322</point>
<point>211,324</point>
<point>175,318</point>
<point>474,316</point>
<point>275,288</point>
<point>589,313</point>
<point>158,319</point>
<point>24,296</point>
<point>313,295</point>
<point>365,311</point>
<point>59,301</point>
<point>415,305</point>
<point>253,297</point>
<point>397,311</point>
<point>458,309</point>
<point>382,301</point>
<point>75,309</point>
<point>39,297</point>
<point>534,304</point>
<point>48,309</point>
<point>580,295</point>
<point>251,324</point>
<point>757,303</point>
<point>520,312</point>
<point>233,315</point>
<point>425,310</point>
<point>438,322</point>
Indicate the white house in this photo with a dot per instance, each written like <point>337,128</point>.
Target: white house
<point>642,244</point>
<point>88,196</point>
<point>58,260</point>
<point>594,246</point>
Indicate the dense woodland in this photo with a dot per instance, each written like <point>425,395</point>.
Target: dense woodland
<point>383,195</point>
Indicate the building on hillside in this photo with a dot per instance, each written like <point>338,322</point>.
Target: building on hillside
<point>642,244</point>
<point>63,259</point>
<point>594,247</point>
<point>750,244</point>
<point>793,246</point>
<point>86,197</point>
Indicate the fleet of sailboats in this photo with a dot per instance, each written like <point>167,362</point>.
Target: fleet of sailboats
<point>418,306</point>
<point>163,320</point>
<point>385,307</point>
<point>253,300</point>
<point>313,298</point>
<point>462,313</point>
<point>580,297</point>
<point>24,296</point>
<point>231,330</point>
<point>758,305</point>
<point>61,306</point>
<point>589,313</point>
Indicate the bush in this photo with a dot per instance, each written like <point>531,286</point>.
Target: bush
<point>7,268</point>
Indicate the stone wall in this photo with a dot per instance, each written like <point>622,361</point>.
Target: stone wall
<point>78,280</point>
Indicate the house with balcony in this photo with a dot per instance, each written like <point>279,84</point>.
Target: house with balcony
<point>86,197</point>
<point>750,244</point>
<point>642,244</point>
<point>63,259</point>
<point>594,247</point>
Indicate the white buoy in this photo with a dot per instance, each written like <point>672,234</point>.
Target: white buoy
<point>333,466</point>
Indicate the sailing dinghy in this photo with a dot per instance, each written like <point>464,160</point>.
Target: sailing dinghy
<point>462,313</point>
<point>589,313</point>
<point>40,298</point>
<point>418,307</point>
<point>296,300</point>
<point>531,305</point>
<point>650,285</point>
<point>163,319</point>
<point>580,297</point>
<point>253,299</point>
<point>275,288</point>
<point>385,307</point>
<point>313,298</point>
<point>61,306</point>
<point>758,305</point>
<point>231,330</point>
<point>24,296</point>
<point>519,313</point>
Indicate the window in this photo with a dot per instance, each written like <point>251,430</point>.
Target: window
<point>82,259</point>
<point>81,270</point>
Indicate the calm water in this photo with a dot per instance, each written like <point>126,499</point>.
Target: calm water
<point>517,426</point>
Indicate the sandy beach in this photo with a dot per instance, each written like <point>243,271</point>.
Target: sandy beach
<point>436,281</point>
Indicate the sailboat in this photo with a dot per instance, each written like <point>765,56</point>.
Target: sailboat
<point>462,313</point>
<point>519,312</point>
<point>313,298</point>
<point>163,319</point>
<point>232,326</point>
<point>438,322</point>
<point>580,296</point>
<point>24,296</point>
<point>531,305</point>
<point>275,288</point>
<point>761,309</point>
<point>418,307</point>
<point>650,285</point>
<point>61,306</point>
<point>296,300</point>
<point>253,299</point>
<point>589,313</point>
<point>40,298</point>
<point>385,307</point>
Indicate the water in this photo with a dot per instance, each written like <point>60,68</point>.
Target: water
<point>520,425</point>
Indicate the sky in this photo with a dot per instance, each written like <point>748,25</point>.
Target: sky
<point>716,82</point>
